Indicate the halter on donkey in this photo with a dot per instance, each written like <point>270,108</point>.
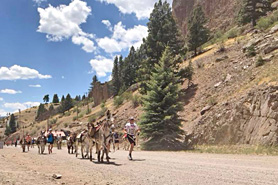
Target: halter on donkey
<point>103,137</point>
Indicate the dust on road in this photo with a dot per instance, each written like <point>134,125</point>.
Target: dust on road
<point>147,168</point>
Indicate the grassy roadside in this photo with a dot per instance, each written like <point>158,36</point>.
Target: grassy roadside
<point>237,149</point>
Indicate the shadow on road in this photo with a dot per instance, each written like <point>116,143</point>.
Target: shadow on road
<point>110,163</point>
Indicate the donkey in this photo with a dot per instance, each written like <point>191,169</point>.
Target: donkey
<point>41,142</point>
<point>23,143</point>
<point>87,142</point>
<point>102,138</point>
<point>71,143</point>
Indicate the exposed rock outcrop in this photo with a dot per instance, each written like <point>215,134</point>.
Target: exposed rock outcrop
<point>100,92</point>
<point>220,13</point>
<point>252,119</point>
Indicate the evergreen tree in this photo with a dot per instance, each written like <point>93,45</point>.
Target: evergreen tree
<point>163,32</point>
<point>130,68</point>
<point>12,124</point>
<point>94,80</point>
<point>40,110</point>
<point>116,83</point>
<point>46,98</point>
<point>160,123</point>
<point>7,131</point>
<point>83,97</point>
<point>55,99</point>
<point>63,98</point>
<point>252,10</point>
<point>51,108</point>
<point>67,104</point>
<point>198,33</point>
<point>77,98</point>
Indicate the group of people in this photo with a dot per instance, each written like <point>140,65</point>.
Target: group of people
<point>130,130</point>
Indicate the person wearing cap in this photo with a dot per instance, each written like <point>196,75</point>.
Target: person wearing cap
<point>131,129</point>
<point>50,141</point>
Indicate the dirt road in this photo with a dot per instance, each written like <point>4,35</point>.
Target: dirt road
<point>147,168</point>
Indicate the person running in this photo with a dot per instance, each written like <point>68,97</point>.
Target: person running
<point>50,141</point>
<point>131,129</point>
<point>28,139</point>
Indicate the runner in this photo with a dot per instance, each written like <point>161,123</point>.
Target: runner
<point>131,129</point>
<point>50,141</point>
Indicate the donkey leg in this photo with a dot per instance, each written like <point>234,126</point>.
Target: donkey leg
<point>107,157</point>
<point>102,155</point>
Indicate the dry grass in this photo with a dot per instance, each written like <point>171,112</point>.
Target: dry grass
<point>237,149</point>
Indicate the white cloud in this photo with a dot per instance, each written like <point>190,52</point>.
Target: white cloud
<point>142,8</point>
<point>21,106</point>
<point>38,2</point>
<point>9,91</point>
<point>1,99</point>
<point>107,23</point>
<point>102,65</point>
<point>88,45</point>
<point>63,22</point>
<point>63,77</point>
<point>3,112</point>
<point>123,38</point>
<point>17,72</point>
<point>38,85</point>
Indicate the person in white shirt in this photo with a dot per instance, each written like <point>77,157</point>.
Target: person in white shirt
<point>131,129</point>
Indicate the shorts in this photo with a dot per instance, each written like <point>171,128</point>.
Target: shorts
<point>131,139</point>
<point>51,143</point>
<point>117,141</point>
<point>28,143</point>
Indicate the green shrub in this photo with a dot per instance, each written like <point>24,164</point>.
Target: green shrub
<point>251,52</point>
<point>212,101</point>
<point>53,121</point>
<point>67,113</point>
<point>80,115</point>
<point>260,62</point>
<point>127,96</point>
<point>66,125</point>
<point>266,22</point>
<point>136,100</point>
<point>232,33</point>
<point>74,118</point>
<point>88,111</point>
<point>92,118</point>
<point>118,100</point>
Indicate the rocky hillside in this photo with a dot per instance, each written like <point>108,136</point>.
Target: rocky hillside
<point>221,14</point>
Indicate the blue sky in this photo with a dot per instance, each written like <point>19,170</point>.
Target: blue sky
<point>56,46</point>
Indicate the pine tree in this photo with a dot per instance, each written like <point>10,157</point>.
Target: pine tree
<point>46,98</point>
<point>12,123</point>
<point>40,110</point>
<point>83,97</point>
<point>7,131</point>
<point>77,98</point>
<point>163,32</point>
<point>94,80</point>
<point>63,98</point>
<point>67,104</point>
<point>160,123</point>
<point>116,83</point>
<point>198,33</point>
<point>55,99</point>
<point>252,10</point>
<point>130,68</point>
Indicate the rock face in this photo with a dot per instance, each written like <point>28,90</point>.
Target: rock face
<point>220,13</point>
<point>100,92</point>
<point>252,119</point>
